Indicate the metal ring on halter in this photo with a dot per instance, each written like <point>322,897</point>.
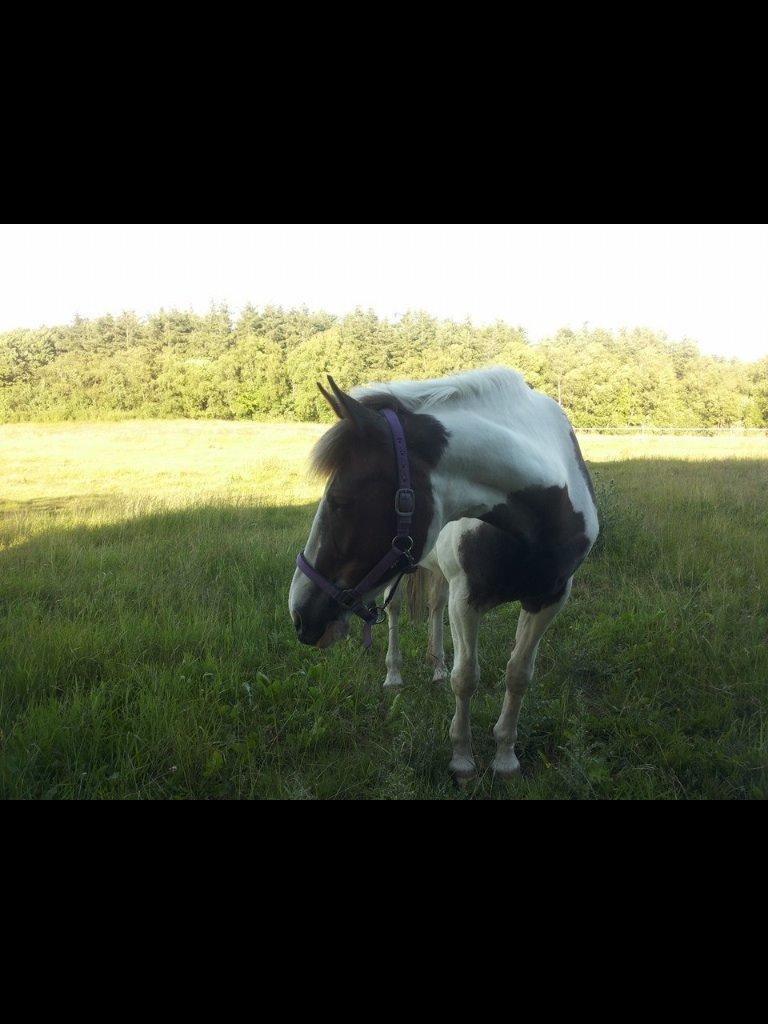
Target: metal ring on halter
<point>406,542</point>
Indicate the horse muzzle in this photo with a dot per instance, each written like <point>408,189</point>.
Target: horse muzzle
<point>319,634</point>
<point>334,632</point>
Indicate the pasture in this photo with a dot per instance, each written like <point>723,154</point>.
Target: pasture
<point>146,650</point>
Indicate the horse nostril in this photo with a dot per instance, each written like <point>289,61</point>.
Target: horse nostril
<point>297,621</point>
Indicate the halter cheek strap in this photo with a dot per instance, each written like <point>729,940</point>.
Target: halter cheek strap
<point>399,554</point>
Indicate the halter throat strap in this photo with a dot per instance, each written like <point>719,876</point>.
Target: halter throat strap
<point>352,598</point>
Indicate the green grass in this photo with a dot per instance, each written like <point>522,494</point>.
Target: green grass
<point>146,649</point>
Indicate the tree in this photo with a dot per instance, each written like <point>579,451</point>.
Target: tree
<point>267,362</point>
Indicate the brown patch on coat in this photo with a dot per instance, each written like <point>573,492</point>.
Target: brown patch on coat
<point>426,436</point>
<point>527,549</point>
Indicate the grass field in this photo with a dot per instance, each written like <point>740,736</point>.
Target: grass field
<point>146,649</point>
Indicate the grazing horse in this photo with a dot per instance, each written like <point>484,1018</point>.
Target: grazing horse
<point>491,496</point>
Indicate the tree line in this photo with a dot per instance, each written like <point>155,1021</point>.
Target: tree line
<point>264,363</point>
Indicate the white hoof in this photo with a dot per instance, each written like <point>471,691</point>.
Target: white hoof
<point>393,682</point>
<point>505,765</point>
<point>462,768</point>
<point>440,676</point>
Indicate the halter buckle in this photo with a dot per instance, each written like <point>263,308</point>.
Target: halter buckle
<point>348,599</point>
<point>408,495</point>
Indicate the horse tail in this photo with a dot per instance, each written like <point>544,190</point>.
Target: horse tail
<point>417,583</point>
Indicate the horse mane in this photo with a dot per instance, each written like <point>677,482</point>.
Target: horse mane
<point>333,449</point>
<point>470,387</point>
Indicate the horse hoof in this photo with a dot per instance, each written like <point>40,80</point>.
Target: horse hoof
<point>505,766</point>
<point>462,768</point>
<point>393,685</point>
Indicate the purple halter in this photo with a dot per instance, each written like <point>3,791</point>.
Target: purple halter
<point>400,552</point>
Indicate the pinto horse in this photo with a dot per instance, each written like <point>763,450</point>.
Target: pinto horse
<point>491,497</point>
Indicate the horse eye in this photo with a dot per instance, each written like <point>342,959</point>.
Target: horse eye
<point>340,505</point>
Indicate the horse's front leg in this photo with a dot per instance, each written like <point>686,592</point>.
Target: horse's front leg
<point>394,678</point>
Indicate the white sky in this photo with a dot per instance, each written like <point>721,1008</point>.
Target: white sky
<point>705,282</point>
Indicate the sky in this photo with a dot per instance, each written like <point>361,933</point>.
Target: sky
<point>707,283</point>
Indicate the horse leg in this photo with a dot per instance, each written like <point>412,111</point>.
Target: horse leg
<point>465,675</point>
<point>436,601</point>
<point>394,678</point>
<point>530,629</point>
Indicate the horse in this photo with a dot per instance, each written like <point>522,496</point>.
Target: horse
<point>491,497</point>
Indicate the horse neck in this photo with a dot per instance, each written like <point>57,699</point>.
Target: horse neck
<point>483,463</point>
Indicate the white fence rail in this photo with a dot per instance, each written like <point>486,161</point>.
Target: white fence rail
<point>704,431</point>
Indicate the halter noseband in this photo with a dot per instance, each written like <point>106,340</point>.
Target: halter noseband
<point>399,554</point>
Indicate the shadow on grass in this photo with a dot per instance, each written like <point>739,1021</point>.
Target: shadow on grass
<point>56,505</point>
<point>154,657</point>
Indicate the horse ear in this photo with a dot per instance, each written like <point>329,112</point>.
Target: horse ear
<point>331,401</point>
<point>350,409</point>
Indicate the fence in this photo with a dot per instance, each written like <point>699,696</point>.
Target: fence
<point>704,431</point>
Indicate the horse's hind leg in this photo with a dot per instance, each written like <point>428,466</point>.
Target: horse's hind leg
<point>465,675</point>
<point>437,597</point>
<point>530,629</point>
<point>436,602</point>
<point>394,678</point>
